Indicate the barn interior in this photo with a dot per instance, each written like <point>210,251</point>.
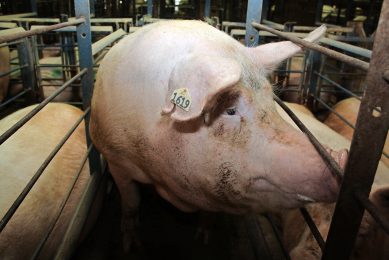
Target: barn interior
<point>50,52</point>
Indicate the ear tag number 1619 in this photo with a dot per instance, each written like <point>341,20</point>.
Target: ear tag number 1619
<point>181,98</point>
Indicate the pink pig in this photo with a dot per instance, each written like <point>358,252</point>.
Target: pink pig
<point>224,147</point>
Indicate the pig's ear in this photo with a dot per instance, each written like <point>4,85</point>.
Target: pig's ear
<point>270,55</point>
<point>195,84</point>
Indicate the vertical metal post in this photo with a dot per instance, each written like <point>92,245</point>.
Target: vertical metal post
<point>319,11</point>
<point>92,8</point>
<point>33,6</point>
<point>84,40</point>
<point>150,7</point>
<point>25,55</point>
<point>207,10</point>
<point>314,63</point>
<point>366,147</point>
<point>254,10</point>
<point>265,9</point>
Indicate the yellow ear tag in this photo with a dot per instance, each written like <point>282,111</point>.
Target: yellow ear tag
<point>181,98</point>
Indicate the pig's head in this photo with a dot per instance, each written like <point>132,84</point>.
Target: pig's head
<point>231,150</point>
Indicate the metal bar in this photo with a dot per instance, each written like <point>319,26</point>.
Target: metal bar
<point>319,10</point>
<point>254,11</point>
<point>10,43</point>
<point>337,85</point>
<point>374,211</point>
<point>74,229</point>
<point>16,36</point>
<point>336,113</point>
<point>14,97</point>
<point>13,16</point>
<point>366,147</point>
<point>332,165</point>
<point>333,54</point>
<point>11,211</point>
<point>150,7</point>
<point>207,10</point>
<point>278,236</point>
<point>107,40</point>
<point>12,70</point>
<point>33,112</point>
<point>63,203</point>
<point>347,47</point>
<point>84,39</point>
<point>33,6</point>
<point>74,28</point>
<point>312,226</point>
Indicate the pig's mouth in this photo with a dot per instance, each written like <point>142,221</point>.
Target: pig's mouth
<point>262,184</point>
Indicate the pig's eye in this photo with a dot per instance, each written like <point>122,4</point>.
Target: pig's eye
<point>231,111</point>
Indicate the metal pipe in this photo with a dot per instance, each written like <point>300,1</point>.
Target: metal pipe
<point>75,226</point>
<point>366,148</point>
<point>12,70</point>
<point>33,112</point>
<point>337,85</point>
<point>278,236</point>
<point>63,203</point>
<point>333,54</point>
<point>11,211</point>
<point>254,12</point>
<point>107,40</point>
<point>9,43</point>
<point>14,97</point>
<point>332,165</point>
<point>312,226</point>
<point>374,212</point>
<point>16,36</point>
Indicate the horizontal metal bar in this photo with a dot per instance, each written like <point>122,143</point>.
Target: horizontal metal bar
<point>74,29</point>
<point>13,16</point>
<point>26,118</point>
<point>12,70</point>
<point>11,211</point>
<point>44,29</point>
<point>312,226</point>
<point>63,203</point>
<point>333,111</point>
<point>333,54</point>
<point>14,98</point>
<point>10,43</point>
<point>107,40</point>
<point>347,47</point>
<point>337,85</point>
<point>374,212</point>
<point>333,166</point>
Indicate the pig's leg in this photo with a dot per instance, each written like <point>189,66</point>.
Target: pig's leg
<point>130,200</point>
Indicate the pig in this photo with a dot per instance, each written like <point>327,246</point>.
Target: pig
<point>225,148</point>
<point>297,236</point>
<point>372,241</point>
<point>20,157</point>
<point>4,67</point>
<point>348,109</point>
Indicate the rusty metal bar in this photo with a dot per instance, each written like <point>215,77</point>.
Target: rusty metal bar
<point>63,203</point>
<point>14,97</point>
<point>19,35</point>
<point>332,165</point>
<point>278,236</point>
<point>374,212</point>
<point>337,85</point>
<point>333,54</point>
<point>312,226</point>
<point>13,70</point>
<point>11,211</point>
<point>33,112</point>
<point>366,147</point>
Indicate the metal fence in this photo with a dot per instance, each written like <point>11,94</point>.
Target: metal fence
<point>364,154</point>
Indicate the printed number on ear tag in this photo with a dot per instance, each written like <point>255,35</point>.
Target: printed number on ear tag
<point>181,98</point>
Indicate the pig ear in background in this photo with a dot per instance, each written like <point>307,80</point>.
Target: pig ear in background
<point>205,78</point>
<point>271,54</point>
